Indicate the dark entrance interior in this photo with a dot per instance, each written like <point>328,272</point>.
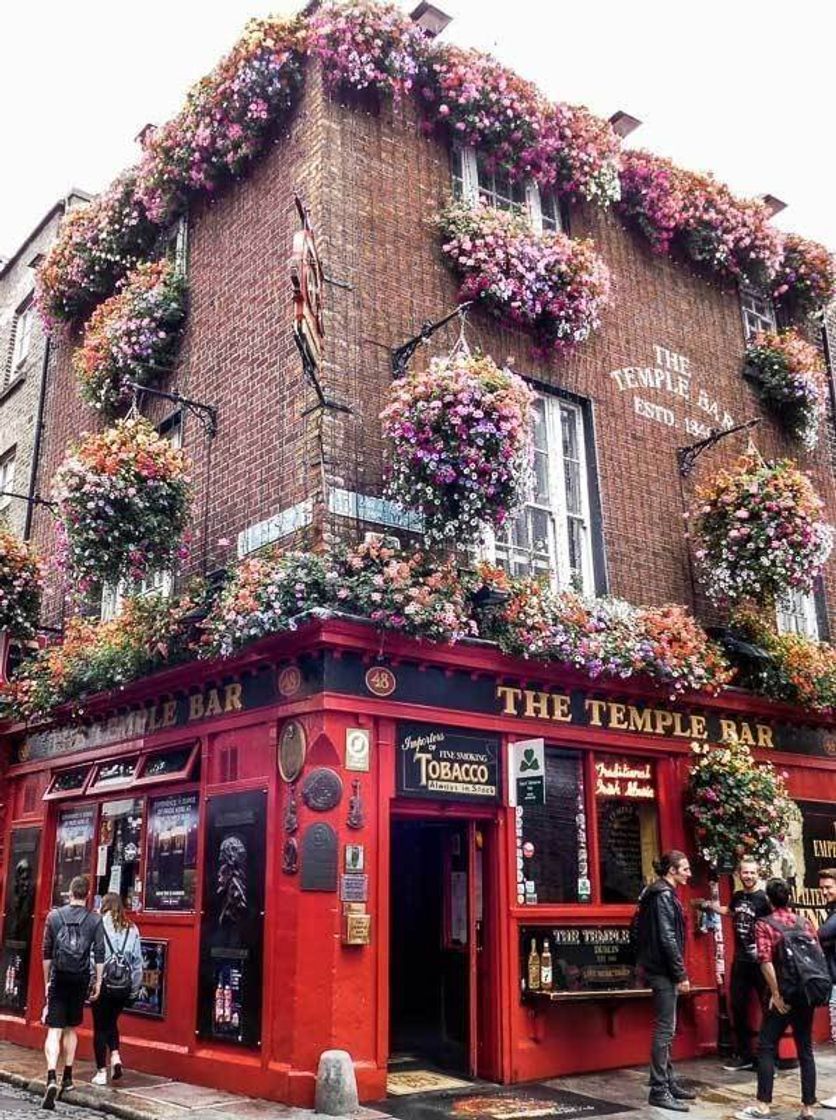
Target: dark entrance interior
<point>429,956</point>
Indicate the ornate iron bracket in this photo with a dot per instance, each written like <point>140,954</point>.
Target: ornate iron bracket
<point>206,414</point>
<point>30,499</point>
<point>687,456</point>
<point>311,372</point>
<point>401,354</point>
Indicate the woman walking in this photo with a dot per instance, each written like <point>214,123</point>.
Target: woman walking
<point>121,979</point>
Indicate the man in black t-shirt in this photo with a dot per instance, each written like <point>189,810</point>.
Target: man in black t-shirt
<point>745,907</point>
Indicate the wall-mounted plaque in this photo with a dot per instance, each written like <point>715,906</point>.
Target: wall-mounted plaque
<point>357,748</point>
<point>355,857</point>
<point>322,789</point>
<point>381,681</point>
<point>585,958</point>
<point>293,744</point>
<point>354,888</point>
<point>151,998</point>
<point>290,681</point>
<point>319,858</point>
<point>446,764</point>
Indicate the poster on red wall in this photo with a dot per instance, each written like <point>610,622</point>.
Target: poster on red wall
<point>73,849</point>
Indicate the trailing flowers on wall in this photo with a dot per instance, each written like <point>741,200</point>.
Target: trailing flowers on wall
<point>461,447</point>
<point>806,279</point>
<point>21,584</point>
<point>132,336</point>
<point>799,671</point>
<point>759,532</point>
<point>789,373</point>
<point>123,498</point>
<point>552,284</point>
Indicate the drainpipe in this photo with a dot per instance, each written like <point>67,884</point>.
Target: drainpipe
<point>36,450</point>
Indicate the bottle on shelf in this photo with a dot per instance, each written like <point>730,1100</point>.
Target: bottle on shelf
<point>546,975</point>
<point>534,968</point>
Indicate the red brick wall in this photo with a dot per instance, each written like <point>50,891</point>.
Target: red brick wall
<point>374,181</point>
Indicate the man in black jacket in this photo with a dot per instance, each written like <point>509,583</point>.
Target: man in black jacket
<point>660,944</point>
<point>827,939</point>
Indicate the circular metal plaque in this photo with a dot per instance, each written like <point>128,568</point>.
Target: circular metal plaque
<point>293,744</point>
<point>322,789</point>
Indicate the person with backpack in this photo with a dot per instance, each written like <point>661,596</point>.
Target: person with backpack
<point>659,936</point>
<point>798,981</point>
<point>72,935</point>
<point>121,980</point>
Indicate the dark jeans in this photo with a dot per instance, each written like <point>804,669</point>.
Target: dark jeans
<point>746,977</point>
<point>773,1027</point>
<point>664,1024</point>
<point>106,1011</point>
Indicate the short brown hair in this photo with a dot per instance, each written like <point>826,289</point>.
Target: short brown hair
<point>827,873</point>
<point>79,887</point>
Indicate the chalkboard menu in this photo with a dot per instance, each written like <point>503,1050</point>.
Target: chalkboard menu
<point>583,958</point>
<point>620,841</point>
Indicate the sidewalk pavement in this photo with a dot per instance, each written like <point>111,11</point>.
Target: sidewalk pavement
<point>140,1096</point>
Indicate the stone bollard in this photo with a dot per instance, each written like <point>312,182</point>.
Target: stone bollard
<point>336,1084</point>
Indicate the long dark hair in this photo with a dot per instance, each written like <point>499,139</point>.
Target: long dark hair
<point>112,904</point>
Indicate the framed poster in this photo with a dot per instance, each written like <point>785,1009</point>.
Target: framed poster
<point>232,924</point>
<point>171,868</point>
<point>151,998</point>
<point>73,849</point>
<point>18,912</point>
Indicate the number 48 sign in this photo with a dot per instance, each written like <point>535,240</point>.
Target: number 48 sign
<point>527,772</point>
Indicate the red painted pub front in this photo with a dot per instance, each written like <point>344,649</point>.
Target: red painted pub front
<point>329,842</point>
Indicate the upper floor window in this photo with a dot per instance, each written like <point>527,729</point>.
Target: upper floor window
<point>552,535</point>
<point>113,596</point>
<point>797,614</point>
<point>475,181</point>
<point>758,313</point>
<point>7,476</point>
<point>177,245</point>
<point>20,341</point>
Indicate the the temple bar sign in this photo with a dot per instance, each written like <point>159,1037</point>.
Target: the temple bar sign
<point>585,711</point>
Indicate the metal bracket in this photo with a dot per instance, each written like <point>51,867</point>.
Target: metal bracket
<point>687,456</point>
<point>311,371</point>
<point>30,499</point>
<point>402,354</point>
<point>206,414</point>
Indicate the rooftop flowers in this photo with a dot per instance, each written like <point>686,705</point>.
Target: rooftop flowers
<point>461,445</point>
<point>790,377</point>
<point>801,671</point>
<point>21,583</point>
<point>738,807</point>
<point>697,214</point>
<point>122,499</point>
<point>759,532</point>
<point>546,282</point>
<point>367,45</point>
<point>488,106</point>
<point>806,279</point>
<point>132,335</point>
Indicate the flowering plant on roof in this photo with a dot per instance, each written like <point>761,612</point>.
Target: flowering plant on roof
<point>21,584</point>
<point>806,279</point>
<point>132,335</point>
<point>552,284</point>
<point>123,497</point>
<point>759,533</point>
<point>800,670</point>
<point>366,45</point>
<point>738,807</point>
<point>461,447</point>
<point>488,106</point>
<point>791,381</point>
<point>151,631</point>
<point>97,245</point>
<point>226,119</point>
<point>699,215</point>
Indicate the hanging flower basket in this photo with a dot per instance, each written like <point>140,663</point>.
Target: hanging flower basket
<point>738,807</point>
<point>790,377</point>
<point>132,336</point>
<point>554,285</point>
<point>800,670</point>
<point>806,279</point>
<point>461,445</point>
<point>21,584</point>
<point>759,533</point>
<point>123,497</point>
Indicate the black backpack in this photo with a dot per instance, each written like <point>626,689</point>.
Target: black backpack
<point>800,967</point>
<point>71,953</point>
<point>116,976</point>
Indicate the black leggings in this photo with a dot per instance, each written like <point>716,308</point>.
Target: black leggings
<point>106,1011</point>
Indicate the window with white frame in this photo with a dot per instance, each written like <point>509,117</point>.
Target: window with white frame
<point>475,181</point>
<point>7,476</point>
<point>797,614</point>
<point>758,312</point>
<point>177,245</point>
<point>20,341</point>
<point>551,536</point>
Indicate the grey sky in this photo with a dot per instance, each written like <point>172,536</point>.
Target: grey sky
<point>739,87</point>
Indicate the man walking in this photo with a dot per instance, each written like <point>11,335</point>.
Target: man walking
<point>827,937</point>
<point>786,1008</point>
<point>660,944</point>
<point>70,933</point>
<point>745,907</point>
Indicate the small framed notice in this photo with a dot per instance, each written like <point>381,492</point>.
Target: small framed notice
<point>357,748</point>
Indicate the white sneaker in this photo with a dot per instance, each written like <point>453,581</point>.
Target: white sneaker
<point>829,1103</point>
<point>99,1078</point>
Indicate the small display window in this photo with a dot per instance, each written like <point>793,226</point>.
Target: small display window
<point>173,764</point>
<point>68,783</point>
<point>119,852</point>
<point>114,774</point>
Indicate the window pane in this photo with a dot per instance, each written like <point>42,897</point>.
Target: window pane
<point>558,869</point>
<point>68,780</point>
<point>118,772</point>
<point>167,762</point>
<point>541,478</point>
<point>576,534</point>
<point>550,210</point>
<point>120,845</point>
<point>628,827</point>
<point>171,877</point>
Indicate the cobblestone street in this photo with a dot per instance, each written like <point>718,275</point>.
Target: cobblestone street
<point>18,1104</point>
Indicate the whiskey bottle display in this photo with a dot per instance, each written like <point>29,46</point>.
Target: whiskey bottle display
<point>534,968</point>
<point>546,967</point>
